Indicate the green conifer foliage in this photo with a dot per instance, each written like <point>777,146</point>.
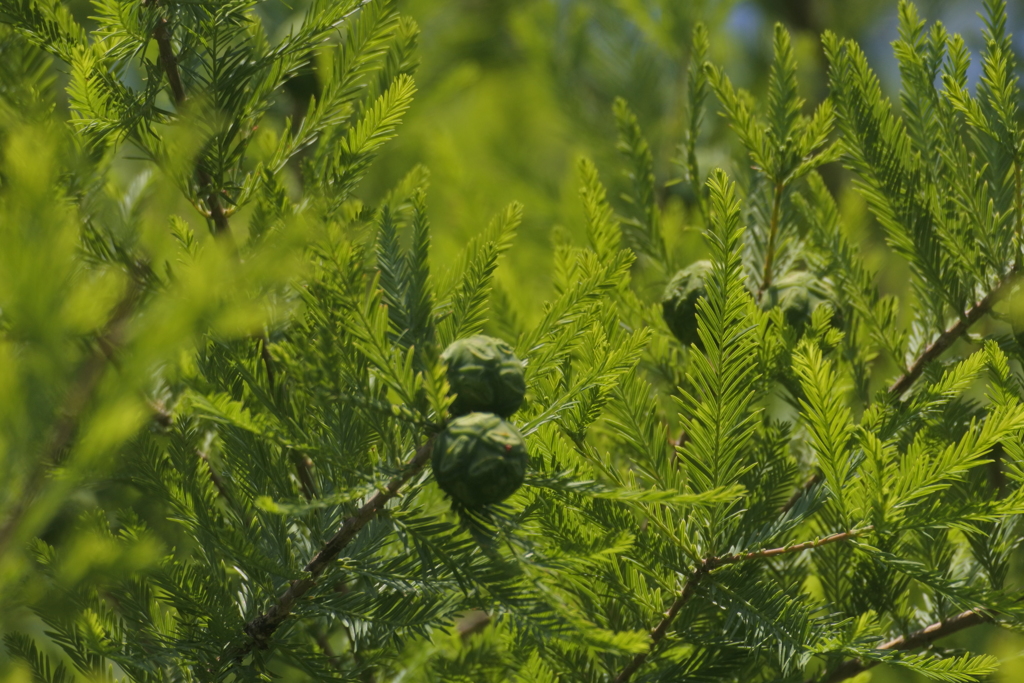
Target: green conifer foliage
<point>763,498</point>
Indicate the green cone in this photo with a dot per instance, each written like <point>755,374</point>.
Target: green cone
<point>679,302</point>
<point>479,459</point>
<point>485,376</point>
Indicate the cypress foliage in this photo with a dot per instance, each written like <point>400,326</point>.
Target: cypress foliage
<point>815,489</point>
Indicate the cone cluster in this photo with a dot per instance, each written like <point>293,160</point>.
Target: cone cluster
<point>797,293</point>
<point>480,458</point>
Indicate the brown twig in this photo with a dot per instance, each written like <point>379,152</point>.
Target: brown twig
<point>83,387</point>
<point>659,631</point>
<point>169,60</point>
<point>716,562</point>
<point>946,339</point>
<point>262,627</point>
<point>925,636</point>
<point>705,567</point>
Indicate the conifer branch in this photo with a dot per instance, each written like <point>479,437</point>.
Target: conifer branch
<point>303,464</point>
<point>262,627</point>
<point>659,631</point>
<point>222,228</point>
<point>218,481</point>
<point>947,338</point>
<point>304,469</point>
<point>169,61</point>
<point>215,209</point>
<point>710,564</point>
<point>108,342</point>
<point>925,636</point>
<point>716,562</point>
<point>773,232</point>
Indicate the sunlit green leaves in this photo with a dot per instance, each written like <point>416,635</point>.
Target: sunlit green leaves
<point>749,508</point>
<point>719,421</point>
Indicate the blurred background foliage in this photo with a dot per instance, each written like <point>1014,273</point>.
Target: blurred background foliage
<point>513,92</point>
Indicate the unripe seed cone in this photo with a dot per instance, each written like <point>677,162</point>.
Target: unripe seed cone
<point>797,293</point>
<point>679,302</point>
<point>485,376</point>
<point>479,459</point>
